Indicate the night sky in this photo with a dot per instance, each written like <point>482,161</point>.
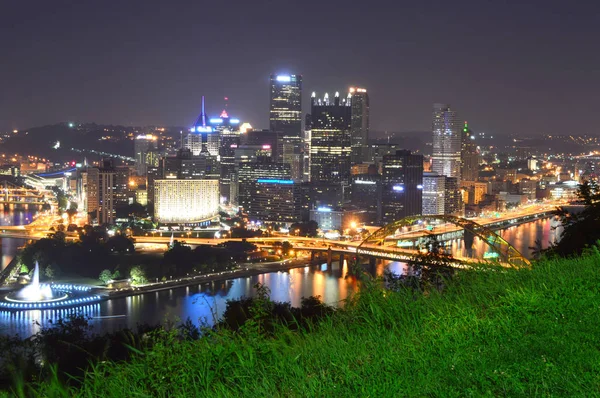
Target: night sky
<point>507,68</point>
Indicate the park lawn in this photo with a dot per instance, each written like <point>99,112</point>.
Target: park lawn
<point>529,332</point>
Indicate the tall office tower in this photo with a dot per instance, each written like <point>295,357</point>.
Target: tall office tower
<point>366,195</point>
<point>202,137</point>
<point>434,186</point>
<point>401,186</point>
<point>230,141</point>
<point>285,111</point>
<point>122,193</point>
<point>246,154</point>
<point>306,156</point>
<point>154,173</point>
<point>330,139</point>
<point>469,156</point>
<point>453,203</point>
<point>106,189</point>
<point>87,190</point>
<point>267,192</point>
<point>441,195</point>
<point>99,188</point>
<point>228,130</point>
<point>292,152</point>
<point>142,145</point>
<point>185,201</point>
<point>359,128</point>
<point>446,142</point>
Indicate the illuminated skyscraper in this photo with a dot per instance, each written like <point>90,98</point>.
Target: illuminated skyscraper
<point>359,127</point>
<point>142,146</point>
<point>285,112</point>
<point>434,186</point>
<point>441,195</point>
<point>202,137</point>
<point>401,186</point>
<point>267,192</point>
<point>330,139</point>
<point>446,141</point>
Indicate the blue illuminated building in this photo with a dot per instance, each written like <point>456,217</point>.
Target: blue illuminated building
<point>267,193</point>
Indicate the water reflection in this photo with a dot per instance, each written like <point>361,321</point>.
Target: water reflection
<point>206,301</point>
<point>10,246</point>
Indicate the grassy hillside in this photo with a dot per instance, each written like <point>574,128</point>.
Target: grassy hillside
<point>490,333</point>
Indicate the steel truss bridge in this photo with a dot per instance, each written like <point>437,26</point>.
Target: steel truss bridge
<point>417,237</point>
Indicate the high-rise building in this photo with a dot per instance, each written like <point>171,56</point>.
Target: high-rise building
<point>366,195</point>
<point>447,141</point>
<point>185,201</point>
<point>434,186</point>
<point>285,111</point>
<point>202,137</point>
<point>154,173</point>
<point>401,185</point>
<point>453,204</point>
<point>267,192</point>
<point>330,139</point>
<point>230,141</point>
<point>441,195</point>
<point>142,145</point>
<point>103,189</point>
<point>469,156</point>
<point>359,128</point>
<point>292,152</point>
<point>185,166</point>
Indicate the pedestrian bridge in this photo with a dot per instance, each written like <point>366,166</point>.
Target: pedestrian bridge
<point>419,237</point>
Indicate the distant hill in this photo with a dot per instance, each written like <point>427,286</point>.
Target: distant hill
<point>42,141</point>
<point>411,140</point>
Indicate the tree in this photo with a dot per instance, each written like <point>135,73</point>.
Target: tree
<point>120,244</point>
<point>308,229</point>
<point>105,276</point>
<point>580,229</point>
<point>131,210</point>
<point>72,211</point>
<point>138,275</point>
<point>51,271</point>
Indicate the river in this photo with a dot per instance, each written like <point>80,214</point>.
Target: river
<point>207,301</point>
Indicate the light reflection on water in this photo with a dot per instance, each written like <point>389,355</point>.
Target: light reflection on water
<point>207,301</point>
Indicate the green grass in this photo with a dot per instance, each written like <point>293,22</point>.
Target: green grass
<point>490,333</point>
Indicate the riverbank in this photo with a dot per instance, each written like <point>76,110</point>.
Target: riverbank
<point>527,332</point>
<point>245,271</point>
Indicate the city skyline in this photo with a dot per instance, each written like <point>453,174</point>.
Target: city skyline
<point>506,67</point>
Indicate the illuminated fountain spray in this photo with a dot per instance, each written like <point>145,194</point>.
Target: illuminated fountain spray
<point>171,242</point>
<point>44,296</point>
<point>34,291</point>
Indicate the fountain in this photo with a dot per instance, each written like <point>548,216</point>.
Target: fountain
<point>43,296</point>
<point>34,291</point>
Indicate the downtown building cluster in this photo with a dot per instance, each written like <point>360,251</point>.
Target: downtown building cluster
<point>319,165</point>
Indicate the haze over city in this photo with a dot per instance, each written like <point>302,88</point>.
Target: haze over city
<point>507,68</point>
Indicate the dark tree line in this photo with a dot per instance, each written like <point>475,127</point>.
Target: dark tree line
<point>87,257</point>
<point>581,229</point>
